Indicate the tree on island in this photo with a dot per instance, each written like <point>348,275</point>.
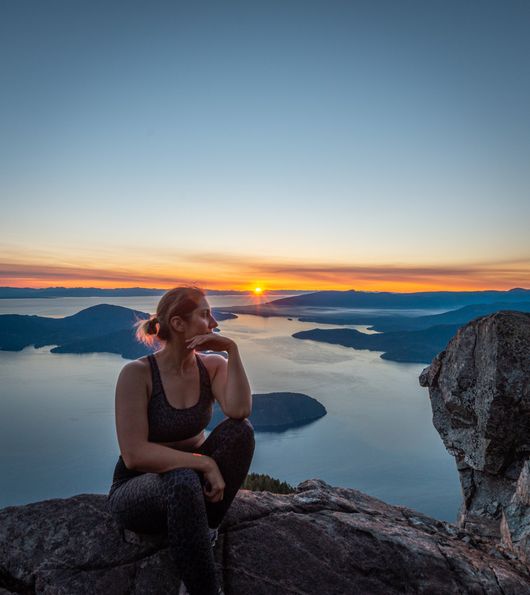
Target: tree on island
<point>260,482</point>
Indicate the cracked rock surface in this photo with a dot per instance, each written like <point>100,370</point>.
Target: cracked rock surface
<point>480,395</point>
<point>321,539</point>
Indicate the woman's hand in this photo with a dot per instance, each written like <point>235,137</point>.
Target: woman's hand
<point>213,341</point>
<point>214,483</point>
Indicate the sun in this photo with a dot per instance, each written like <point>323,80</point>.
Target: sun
<point>257,290</point>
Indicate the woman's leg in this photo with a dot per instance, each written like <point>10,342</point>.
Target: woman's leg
<point>231,445</point>
<point>174,501</point>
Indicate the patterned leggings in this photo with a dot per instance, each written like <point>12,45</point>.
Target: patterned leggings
<point>175,502</point>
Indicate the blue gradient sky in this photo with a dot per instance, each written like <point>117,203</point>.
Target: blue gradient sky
<point>367,145</point>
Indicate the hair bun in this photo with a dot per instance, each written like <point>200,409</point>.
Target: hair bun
<point>150,327</point>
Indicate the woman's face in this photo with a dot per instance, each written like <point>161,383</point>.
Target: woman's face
<point>200,321</point>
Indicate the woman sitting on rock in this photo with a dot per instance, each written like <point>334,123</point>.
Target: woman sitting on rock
<point>168,476</point>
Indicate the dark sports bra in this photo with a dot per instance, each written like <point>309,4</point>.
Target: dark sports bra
<point>167,423</point>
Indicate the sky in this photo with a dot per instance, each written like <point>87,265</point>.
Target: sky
<point>370,145</point>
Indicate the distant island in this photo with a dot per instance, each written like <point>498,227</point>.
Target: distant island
<point>407,339</point>
<point>403,346</point>
<point>277,412</point>
<point>102,328</point>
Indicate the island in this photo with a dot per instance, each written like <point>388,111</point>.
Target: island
<point>411,347</point>
<point>103,328</point>
<point>278,411</point>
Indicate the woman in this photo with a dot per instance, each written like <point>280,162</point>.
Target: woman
<point>168,476</point>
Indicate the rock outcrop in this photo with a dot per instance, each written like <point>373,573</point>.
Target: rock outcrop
<point>320,539</point>
<point>480,394</point>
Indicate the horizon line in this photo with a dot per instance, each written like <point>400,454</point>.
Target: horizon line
<point>263,291</point>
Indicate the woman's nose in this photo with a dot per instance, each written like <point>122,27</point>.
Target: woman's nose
<point>213,322</point>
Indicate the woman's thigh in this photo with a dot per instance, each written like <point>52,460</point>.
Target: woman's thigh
<point>140,504</point>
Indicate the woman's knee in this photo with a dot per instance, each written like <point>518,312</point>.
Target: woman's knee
<point>240,426</point>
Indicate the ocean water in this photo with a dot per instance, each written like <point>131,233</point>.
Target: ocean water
<point>57,432</point>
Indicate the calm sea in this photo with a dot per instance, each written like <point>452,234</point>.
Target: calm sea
<point>57,433</point>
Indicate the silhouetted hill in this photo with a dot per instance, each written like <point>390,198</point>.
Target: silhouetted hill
<point>18,331</point>
<point>122,342</point>
<point>101,328</point>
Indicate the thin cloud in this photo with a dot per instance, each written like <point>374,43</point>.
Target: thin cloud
<point>230,270</point>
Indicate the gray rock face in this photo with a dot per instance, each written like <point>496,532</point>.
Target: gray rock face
<point>320,539</point>
<point>480,397</point>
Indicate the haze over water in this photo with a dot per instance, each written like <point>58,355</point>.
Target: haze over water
<point>57,434</point>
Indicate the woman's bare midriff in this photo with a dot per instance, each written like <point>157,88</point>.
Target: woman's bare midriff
<point>188,445</point>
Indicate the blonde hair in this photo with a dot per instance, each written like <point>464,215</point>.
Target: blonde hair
<point>179,301</point>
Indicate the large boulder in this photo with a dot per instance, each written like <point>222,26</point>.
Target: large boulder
<point>480,395</point>
<point>320,539</point>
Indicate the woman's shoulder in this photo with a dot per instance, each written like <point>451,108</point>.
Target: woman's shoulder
<point>212,361</point>
<point>137,368</point>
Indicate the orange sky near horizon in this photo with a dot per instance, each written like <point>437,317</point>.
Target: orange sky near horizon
<point>271,276</point>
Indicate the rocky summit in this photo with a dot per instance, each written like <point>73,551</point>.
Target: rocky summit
<point>321,539</point>
<point>480,394</point>
<point>329,540</point>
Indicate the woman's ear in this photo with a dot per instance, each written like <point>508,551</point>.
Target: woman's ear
<point>177,324</point>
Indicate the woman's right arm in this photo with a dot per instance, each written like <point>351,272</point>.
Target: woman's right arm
<point>133,429</point>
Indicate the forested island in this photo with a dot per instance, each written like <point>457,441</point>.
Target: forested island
<point>414,346</point>
<point>277,412</point>
<point>102,328</point>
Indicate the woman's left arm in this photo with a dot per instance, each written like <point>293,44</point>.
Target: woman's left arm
<point>230,384</point>
<point>237,395</point>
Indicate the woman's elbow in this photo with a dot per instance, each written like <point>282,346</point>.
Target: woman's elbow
<point>130,459</point>
<point>242,414</point>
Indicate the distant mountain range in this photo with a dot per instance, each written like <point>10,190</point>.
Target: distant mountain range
<point>322,301</point>
<point>55,292</point>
